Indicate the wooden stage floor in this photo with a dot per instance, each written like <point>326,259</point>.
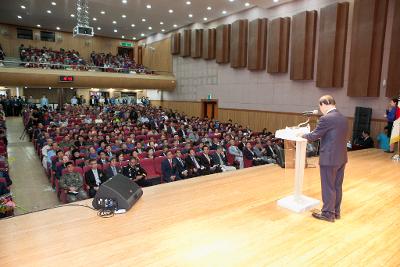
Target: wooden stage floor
<point>228,219</point>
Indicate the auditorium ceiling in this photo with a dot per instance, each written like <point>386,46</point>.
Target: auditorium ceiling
<point>128,19</point>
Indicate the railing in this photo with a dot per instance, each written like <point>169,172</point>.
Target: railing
<point>78,67</point>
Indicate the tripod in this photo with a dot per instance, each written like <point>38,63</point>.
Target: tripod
<point>23,134</point>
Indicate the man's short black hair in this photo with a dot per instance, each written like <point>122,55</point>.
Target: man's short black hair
<point>68,163</point>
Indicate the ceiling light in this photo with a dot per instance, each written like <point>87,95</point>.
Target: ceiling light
<point>209,8</point>
<point>161,23</point>
<point>115,30</point>
<point>79,8</point>
<point>48,11</point>
<point>175,25</point>
<point>133,25</point>
<point>49,87</point>
<point>58,28</point>
<point>276,1</point>
<point>163,30</point>
<point>224,12</point>
<point>19,17</point>
<point>38,26</point>
<point>123,16</point>
<point>188,2</point>
<point>123,36</point>
<point>94,19</point>
<point>190,15</point>
<point>53,3</point>
<point>23,7</point>
<point>99,28</point>
<point>144,20</point>
<point>148,6</point>
<point>133,38</point>
<point>170,11</point>
<point>102,12</point>
<point>142,34</point>
<point>205,19</point>
<point>150,28</point>
<point>114,22</point>
<point>72,15</point>
<point>231,0</point>
<point>124,1</point>
<point>247,4</point>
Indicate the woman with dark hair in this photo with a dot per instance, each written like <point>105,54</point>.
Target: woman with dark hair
<point>391,117</point>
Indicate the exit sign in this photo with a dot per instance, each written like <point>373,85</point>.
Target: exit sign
<point>66,79</point>
<point>126,44</point>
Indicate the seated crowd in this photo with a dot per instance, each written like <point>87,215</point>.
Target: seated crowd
<point>70,59</point>
<point>83,146</point>
<point>6,204</point>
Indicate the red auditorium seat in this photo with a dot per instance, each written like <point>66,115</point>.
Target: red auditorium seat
<point>142,155</point>
<point>157,165</point>
<point>141,137</point>
<point>149,166</point>
<point>247,163</point>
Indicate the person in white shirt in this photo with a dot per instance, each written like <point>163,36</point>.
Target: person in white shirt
<point>235,151</point>
<point>74,101</point>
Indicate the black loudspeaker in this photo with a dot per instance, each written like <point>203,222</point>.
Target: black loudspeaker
<point>119,192</point>
<point>362,121</point>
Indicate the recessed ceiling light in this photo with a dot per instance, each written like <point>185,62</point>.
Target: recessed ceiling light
<point>148,6</point>
<point>188,2</point>
<point>142,34</point>
<point>163,30</point>
<point>53,3</point>
<point>72,15</point>
<point>102,12</point>
<point>48,11</point>
<point>161,23</point>
<point>175,25</point>
<point>124,1</point>
<point>38,25</point>
<point>209,8</point>
<point>223,12</point>
<point>114,22</point>
<point>205,19</point>
<point>58,28</point>
<point>247,4</point>
<point>150,28</point>
<point>276,1</point>
<point>23,7</point>
<point>133,25</point>
<point>115,30</point>
<point>133,38</point>
<point>49,87</point>
<point>79,8</point>
<point>170,11</point>
<point>94,19</point>
<point>231,0</point>
<point>144,20</point>
<point>190,15</point>
<point>123,16</point>
<point>19,17</point>
<point>99,28</point>
<point>123,36</point>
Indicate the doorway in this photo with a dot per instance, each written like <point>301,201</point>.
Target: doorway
<point>126,51</point>
<point>209,108</point>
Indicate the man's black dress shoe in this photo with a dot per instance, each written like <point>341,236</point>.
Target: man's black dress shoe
<point>323,216</point>
<point>337,216</point>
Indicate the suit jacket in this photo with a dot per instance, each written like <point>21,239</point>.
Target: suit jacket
<point>109,173</point>
<point>247,154</point>
<point>181,132</point>
<point>170,131</point>
<point>190,163</point>
<point>205,162</point>
<point>332,130</point>
<point>167,170</point>
<point>91,180</point>
<point>217,159</point>
<point>180,165</point>
<point>269,151</point>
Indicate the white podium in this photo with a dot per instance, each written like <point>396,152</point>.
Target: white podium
<point>297,202</point>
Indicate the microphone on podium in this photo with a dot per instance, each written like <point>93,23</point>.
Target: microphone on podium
<point>309,113</point>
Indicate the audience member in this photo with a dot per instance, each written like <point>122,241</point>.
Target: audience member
<point>94,178</point>
<point>72,183</point>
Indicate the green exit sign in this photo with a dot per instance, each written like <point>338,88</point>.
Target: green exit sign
<point>126,44</point>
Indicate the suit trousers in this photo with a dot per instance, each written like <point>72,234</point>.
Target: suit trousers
<point>331,184</point>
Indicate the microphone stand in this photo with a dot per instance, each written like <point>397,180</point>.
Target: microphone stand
<point>304,124</point>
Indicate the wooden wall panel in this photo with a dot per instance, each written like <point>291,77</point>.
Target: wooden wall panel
<point>209,43</point>
<point>157,57</point>
<point>366,53</point>
<point>197,43</point>
<point>303,45</point>
<point>278,45</point>
<point>176,43</point>
<point>223,37</point>
<point>238,50</point>
<point>332,45</point>
<point>257,46</point>
<point>186,43</point>
<point>393,82</point>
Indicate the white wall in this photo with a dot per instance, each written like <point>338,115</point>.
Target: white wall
<point>243,89</point>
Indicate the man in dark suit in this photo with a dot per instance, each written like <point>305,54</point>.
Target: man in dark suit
<point>113,169</point>
<point>94,178</point>
<point>220,159</point>
<point>209,165</point>
<point>193,164</point>
<point>136,173</point>
<point>169,171</point>
<point>332,130</point>
<point>182,133</point>
<point>180,165</point>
